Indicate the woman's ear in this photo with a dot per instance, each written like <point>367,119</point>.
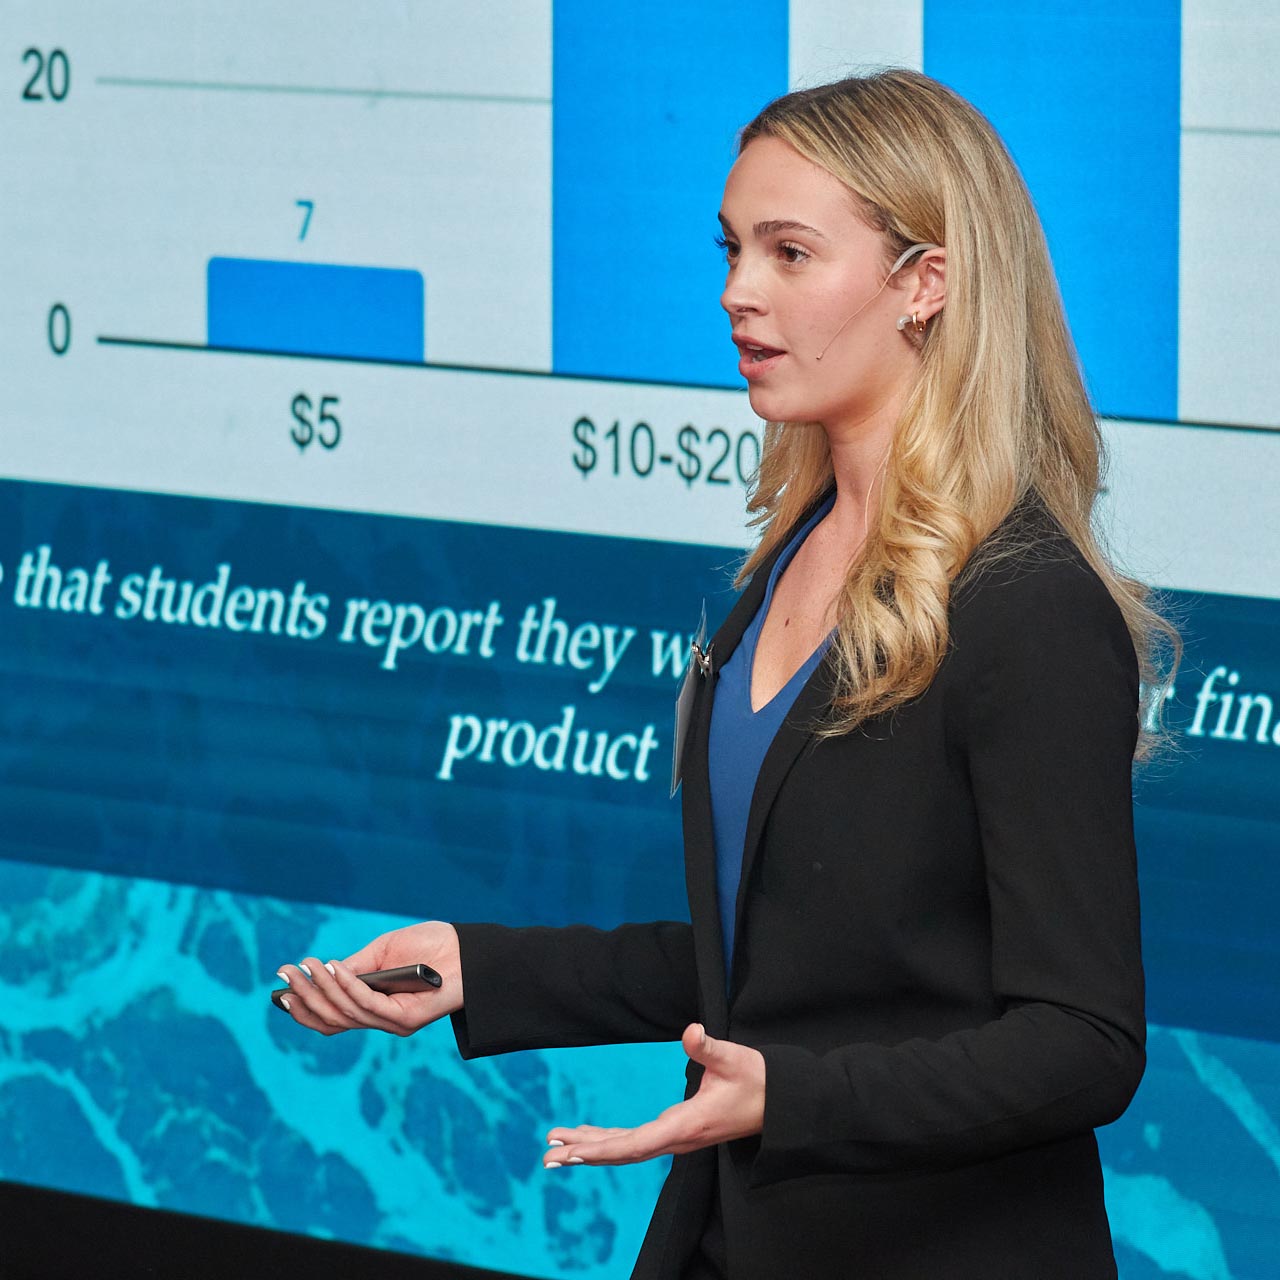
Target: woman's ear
<point>929,292</point>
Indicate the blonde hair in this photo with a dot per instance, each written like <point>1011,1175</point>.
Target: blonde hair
<point>998,407</point>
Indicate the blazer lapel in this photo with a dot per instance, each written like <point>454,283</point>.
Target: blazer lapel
<point>700,867</point>
<point>699,829</point>
<point>794,734</point>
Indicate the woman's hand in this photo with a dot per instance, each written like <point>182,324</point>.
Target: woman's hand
<point>329,998</point>
<point>729,1104</point>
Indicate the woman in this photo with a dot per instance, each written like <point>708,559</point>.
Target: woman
<point>912,986</point>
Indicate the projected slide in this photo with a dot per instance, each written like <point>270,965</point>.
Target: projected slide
<point>371,443</point>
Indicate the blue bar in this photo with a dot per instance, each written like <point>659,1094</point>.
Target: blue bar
<point>1087,95</point>
<point>315,308</point>
<point>648,99</point>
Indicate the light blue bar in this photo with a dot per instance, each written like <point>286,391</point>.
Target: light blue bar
<point>648,101</point>
<point>1086,93</point>
<point>316,308</point>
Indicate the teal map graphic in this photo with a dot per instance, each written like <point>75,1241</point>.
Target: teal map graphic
<point>140,1059</point>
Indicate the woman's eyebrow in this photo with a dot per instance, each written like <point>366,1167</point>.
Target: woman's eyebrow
<point>772,226</point>
<point>775,225</point>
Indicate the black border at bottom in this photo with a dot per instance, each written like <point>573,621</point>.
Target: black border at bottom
<point>55,1235</point>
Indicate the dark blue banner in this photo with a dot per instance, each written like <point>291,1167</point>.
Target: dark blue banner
<point>396,714</point>
<point>1208,822</point>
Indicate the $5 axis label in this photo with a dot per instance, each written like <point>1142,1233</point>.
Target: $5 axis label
<point>315,421</point>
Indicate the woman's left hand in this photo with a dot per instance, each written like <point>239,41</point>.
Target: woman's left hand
<point>729,1104</point>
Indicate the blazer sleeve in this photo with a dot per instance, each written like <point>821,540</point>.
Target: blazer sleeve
<point>550,988</point>
<point>1045,708</point>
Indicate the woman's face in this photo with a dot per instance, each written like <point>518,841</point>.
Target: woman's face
<point>801,263</point>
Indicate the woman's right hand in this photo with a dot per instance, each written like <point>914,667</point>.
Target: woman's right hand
<point>330,998</point>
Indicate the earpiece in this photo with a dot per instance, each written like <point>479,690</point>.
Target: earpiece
<point>893,270</point>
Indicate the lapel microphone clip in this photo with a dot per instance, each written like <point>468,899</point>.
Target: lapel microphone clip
<point>702,657</point>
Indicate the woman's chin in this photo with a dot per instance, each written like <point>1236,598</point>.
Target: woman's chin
<point>776,408</point>
<point>767,404</point>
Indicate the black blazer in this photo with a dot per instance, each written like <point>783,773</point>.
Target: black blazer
<point>937,954</point>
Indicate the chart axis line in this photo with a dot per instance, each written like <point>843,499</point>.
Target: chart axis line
<point>320,90</point>
<point>161,344</point>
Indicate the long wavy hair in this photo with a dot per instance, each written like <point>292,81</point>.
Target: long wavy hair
<point>998,408</point>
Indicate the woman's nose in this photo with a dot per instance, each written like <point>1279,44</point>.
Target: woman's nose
<point>741,292</point>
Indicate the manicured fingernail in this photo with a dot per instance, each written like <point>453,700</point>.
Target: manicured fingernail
<point>553,1164</point>
<point>575,1160</point>
<point>554,1142</point>
<point>305,970</point>
<point>328,964</point>
<point>284,977</point>
<point>284,1001</point>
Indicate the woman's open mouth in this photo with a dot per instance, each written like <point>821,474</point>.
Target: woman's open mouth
<point>755,358</point>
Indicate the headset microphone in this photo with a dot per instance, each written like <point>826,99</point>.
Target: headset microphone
<point>893,270</point>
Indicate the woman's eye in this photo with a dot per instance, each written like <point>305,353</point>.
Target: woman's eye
<point>726,246</point>
<point>793,253</point>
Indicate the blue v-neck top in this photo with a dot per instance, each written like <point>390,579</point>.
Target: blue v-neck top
<point>740,739</point>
